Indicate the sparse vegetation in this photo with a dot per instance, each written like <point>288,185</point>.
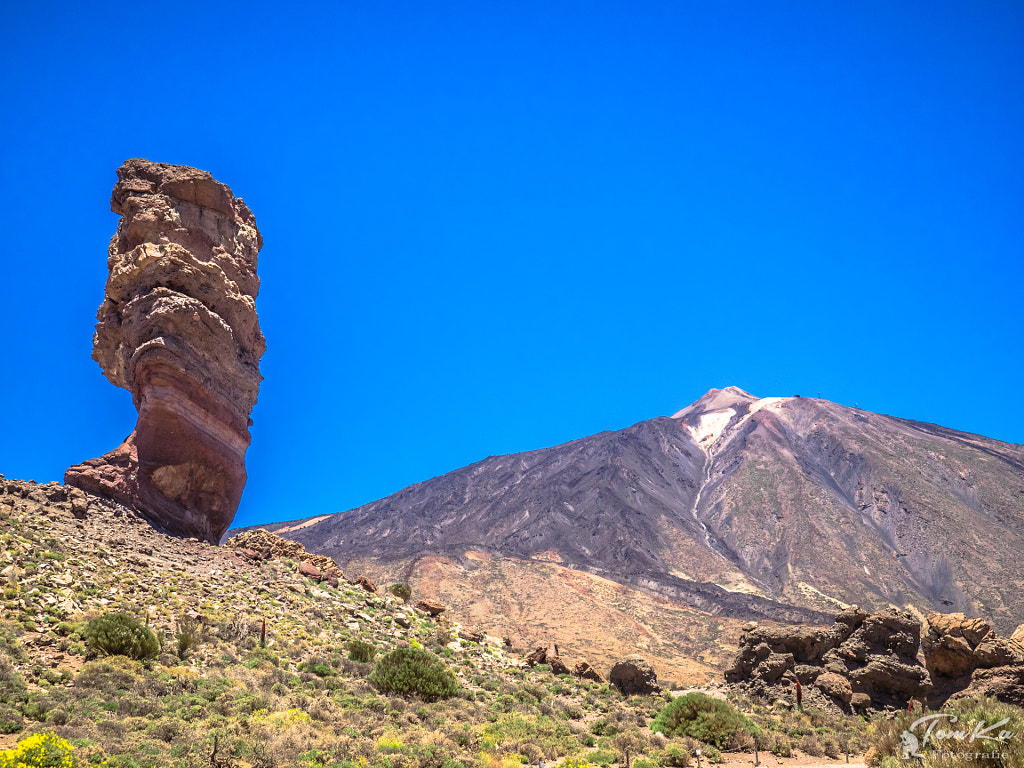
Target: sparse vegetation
<point>311,696</point>
<point>945,747</point>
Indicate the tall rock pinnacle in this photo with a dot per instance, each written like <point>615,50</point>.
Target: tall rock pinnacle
<point>178,329</point>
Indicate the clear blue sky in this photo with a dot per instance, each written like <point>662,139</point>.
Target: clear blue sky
<point>493,227</point>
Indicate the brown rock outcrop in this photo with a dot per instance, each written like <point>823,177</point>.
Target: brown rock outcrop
<point>548,655</point>
<point>965,657</point>
<point>859,657</point>
<point>178,329</point>
<point>1018,634</point>
<point>834,686</point>
<point>366,583</point>
<point>634,675</point>
<point>259,544</point>
<point>429,606</point>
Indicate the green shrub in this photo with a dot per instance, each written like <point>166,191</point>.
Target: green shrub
<point>11,720</point>
<point>317,667</point>
<point>781,746</point>
<point>118,634</point>
<point>414,672</point>
<point>191,632</point>
<point>674,756</point>
<point>361,651</point>
<point>630,743</point>
<point>545,733</point>
<point>701,717</point>
<point>402,591</point>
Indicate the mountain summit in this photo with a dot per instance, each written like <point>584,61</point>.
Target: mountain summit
<point>783,508</point>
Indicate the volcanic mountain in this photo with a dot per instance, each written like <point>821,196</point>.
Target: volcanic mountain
<point>736,507</point>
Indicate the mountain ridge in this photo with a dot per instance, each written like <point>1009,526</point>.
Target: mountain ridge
<point>778,508</point>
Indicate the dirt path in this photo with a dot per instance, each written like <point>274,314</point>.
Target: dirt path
<point>768,760</point>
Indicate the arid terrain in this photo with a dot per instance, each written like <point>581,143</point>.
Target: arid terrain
<point>215,693</point>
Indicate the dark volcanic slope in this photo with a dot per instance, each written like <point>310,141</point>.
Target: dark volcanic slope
<point>783,501</point>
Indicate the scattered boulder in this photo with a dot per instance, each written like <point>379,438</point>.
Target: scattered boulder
<point>558,667</point>
<point>536,656</point>
<point>471,636</point>
<point>835,686</point>
<point>548,655</point>
<point>584,671</point>
<point>634,675</point>
<point>965,657</point>
<point>860,701</point>
<point>178,329</point>
<point>310,571</point>
<point>874,655</point>
<point>429,606</point>
<point>366,583</point>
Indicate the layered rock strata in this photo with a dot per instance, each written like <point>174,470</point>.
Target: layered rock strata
<point>861,661</point>
<point>178,329</point>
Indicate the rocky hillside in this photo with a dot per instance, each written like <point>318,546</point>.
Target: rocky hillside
<point>213,691</point>
<point>780,508</point>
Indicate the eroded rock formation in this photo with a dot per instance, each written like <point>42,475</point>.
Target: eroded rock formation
<point>584,671</point>
<point>178,329</point>
<point>860,661</point>
<point>547,654</point>
<point>258,544</point>
<point>634,675</point>
<point>965,657</point>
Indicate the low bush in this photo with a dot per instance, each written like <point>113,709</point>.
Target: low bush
<point>118,634</point>
<point>781,746</point>
<point>361,651</point>
<point>674,756</point>
<point>702,717</point>
<point>191,632</point>
<point>414,672</point>
<point>402,591</point>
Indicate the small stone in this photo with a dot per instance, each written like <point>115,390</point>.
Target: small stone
<point>429,606</point>
<point>860,700</point>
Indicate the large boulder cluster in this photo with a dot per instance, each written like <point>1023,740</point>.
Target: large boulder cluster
<point>862,661</point>
<point>966,657</point>
<point>259,544</point>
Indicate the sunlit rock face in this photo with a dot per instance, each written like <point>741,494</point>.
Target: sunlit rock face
<point>178,329</point>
